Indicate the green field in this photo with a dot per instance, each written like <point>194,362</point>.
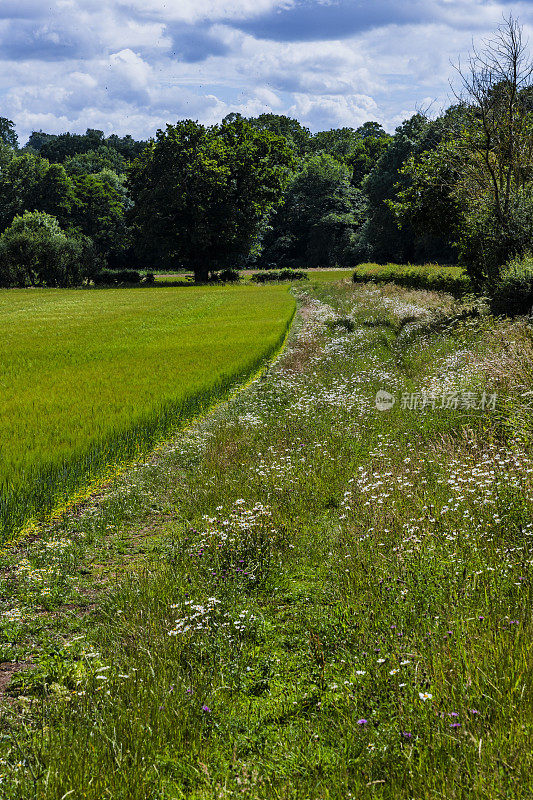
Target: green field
<point>90,378</point>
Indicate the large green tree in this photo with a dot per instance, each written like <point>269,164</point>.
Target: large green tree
<point>200,194</point>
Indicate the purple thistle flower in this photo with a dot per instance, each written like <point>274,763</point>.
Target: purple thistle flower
<point>362,721</point>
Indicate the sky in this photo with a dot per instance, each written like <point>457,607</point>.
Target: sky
<point>131,67</point>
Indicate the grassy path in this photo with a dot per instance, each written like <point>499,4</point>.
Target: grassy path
<point>302,596</point>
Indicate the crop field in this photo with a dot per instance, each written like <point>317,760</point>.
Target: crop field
<point>306,594</point>
<point>92,378</point>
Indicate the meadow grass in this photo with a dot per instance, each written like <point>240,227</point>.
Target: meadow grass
<point>338,604</point>
<point>92,378</point>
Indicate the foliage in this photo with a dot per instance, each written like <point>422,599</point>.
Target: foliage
<point>200,194</point>
<point>34,251</point>
<point>316,224</point>
<point>384,237</point>
<point>119,277</point>
<point>268,276</point>
<point>225,276</point>
<point>59,148</point>
<point>433,277</point>
<point>31,183</point>
<point>8,134</point>
<point>367,150</point>
<point>110,372</point>
<point>477,182</point>
<point>428,200</point>
<point>93,161</point>
<point>99,209</point>
<point>297,136</point>
<point>513,291</point>
<point>337,142</point>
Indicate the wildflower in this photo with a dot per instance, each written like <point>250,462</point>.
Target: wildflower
<point>206,709</point>
<point>360,672</point>
<point>407,735</point>
<point>425,696</point>
<point>362,721</point>
<point>393,671</point>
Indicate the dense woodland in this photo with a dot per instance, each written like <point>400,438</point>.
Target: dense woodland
<point>266,192</point>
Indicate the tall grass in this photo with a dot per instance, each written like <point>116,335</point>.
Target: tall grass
<point>91,379</point>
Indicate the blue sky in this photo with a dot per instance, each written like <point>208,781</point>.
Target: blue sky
<point>130,67</point>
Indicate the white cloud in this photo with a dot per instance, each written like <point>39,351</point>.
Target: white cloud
<point>133,66</point>
<point>334,111</point>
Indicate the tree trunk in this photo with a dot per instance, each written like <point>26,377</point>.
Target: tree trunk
<point>201,273</point>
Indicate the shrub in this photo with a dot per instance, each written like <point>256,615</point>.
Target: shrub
<point>225,276</point>
<point>117,277</point>
<point>513,292</point>
<point>433,278</point>
<point>486,244</point>
<point>281,275</point>
<point>34,251</point>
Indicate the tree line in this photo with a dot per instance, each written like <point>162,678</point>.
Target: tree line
<point>266,192</point>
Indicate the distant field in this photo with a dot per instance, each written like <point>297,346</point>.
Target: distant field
<point>89,378</point>
<point>317,275</point>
